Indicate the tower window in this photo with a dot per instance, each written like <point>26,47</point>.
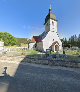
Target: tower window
<point>52,23</point>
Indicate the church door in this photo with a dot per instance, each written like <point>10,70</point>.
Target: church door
<point>56,48</point>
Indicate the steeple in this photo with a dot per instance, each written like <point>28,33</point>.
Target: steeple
<point>50,15</point>
<point>50,9</point>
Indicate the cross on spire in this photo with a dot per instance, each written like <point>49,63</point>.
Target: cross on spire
<point>50,9</point>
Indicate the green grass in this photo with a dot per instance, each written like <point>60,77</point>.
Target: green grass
<point>53,52</point>
<point>73,55</point>
<point>73,52</point>
<point>10,46</point>
<point>31,52</point>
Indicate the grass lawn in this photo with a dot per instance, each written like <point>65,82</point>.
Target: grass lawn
<point>73,53</point>
<point>32,52</point>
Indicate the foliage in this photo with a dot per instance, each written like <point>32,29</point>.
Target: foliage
<point>23,40</point>
<point>8,39</point>
<point>73,41</point>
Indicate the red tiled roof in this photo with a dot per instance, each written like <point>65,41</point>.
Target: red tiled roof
<point>36,39</point>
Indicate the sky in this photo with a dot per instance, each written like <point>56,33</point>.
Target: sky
<point>25,18</point>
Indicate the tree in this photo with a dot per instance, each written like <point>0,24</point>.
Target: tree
<point>72,41</point>
<point>8,39</point>
<point>78,41</point>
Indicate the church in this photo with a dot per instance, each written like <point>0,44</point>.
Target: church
<point>49,39</point>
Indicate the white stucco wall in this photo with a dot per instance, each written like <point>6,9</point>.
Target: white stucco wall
<point>49,26</point>
<point>50,38</point>
<point>40,46</point>
<point>31,46</point>
<point>53,27</point>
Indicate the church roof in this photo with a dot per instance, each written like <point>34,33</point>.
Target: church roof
<point>39,38</point>
<point>50,16</point>
<point>36,39</point>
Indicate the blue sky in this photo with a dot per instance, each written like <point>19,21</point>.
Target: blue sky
<point>25,18</point>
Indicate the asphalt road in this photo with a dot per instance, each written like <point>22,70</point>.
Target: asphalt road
<point>38,78</point>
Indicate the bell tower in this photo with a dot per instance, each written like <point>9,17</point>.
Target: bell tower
<point>50,21</point>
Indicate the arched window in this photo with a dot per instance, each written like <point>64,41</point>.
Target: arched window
<point>52,23</point>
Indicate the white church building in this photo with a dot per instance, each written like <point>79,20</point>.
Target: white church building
<point>49,39</point>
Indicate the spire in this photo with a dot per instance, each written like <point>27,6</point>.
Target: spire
<point>50,14</point>
<point>50,9</point>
